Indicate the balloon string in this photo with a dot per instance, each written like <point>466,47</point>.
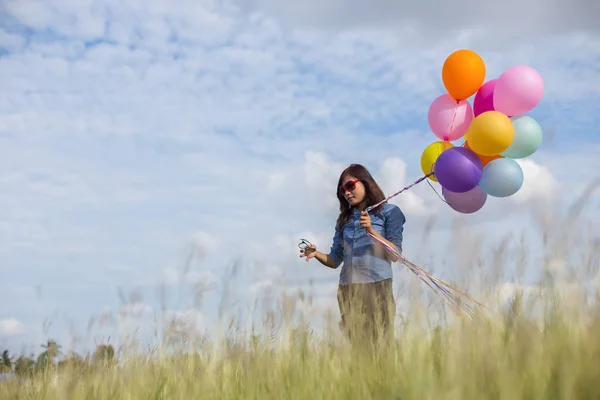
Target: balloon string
<point>421,179</point>
<point>447,137</point>
<point>439,287</point>
<point>452,121</point>
<point>436,192</point>
<point>397,193</point>
<point>442,289</point>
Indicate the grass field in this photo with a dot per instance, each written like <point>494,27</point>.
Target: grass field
<point>540,343</point>
<point>509,358</point>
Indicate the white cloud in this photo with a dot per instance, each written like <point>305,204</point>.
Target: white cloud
<point>538,183</point>
<point>204,243</point>
<point>134,310</point>
<point>573,296</point>
<point>125,128</point>
<point>263,288</point>
<point>10,327</point>
<point>203,280</point>
<point>187,321</point>
<point>170,276</point>
<point>321,177</point>
<point>434,19</point>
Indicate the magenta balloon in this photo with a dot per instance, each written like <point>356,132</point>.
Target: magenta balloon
<point>467,202</point>
<point>484,99</point>
<point>458,169</point>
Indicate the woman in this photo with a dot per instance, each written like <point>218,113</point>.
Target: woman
<point>365,297</point>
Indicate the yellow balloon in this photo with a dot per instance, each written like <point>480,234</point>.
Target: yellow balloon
<point>430,156</point>
<point>490,133</point>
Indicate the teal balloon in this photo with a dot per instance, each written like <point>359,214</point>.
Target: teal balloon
<point>501,177</point>
<point>528,137</point>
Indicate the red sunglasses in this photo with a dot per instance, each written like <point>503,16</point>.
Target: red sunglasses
<point>349,186</point>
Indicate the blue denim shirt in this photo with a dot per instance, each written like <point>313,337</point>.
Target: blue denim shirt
<point>364,260</point>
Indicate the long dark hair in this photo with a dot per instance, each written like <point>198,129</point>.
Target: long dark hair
<point>374,193</point>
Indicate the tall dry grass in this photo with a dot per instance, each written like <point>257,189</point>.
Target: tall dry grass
<point>541,341</point>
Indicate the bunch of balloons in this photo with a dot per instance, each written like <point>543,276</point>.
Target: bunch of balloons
<point>494,129</point>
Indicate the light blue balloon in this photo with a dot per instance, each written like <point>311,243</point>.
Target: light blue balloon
<point>528,137</point>
<point>501,177</point>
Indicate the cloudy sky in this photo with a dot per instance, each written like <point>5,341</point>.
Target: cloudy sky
<point>185,147</point>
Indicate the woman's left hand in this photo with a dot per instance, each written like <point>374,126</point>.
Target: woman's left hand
<point>365,221</point>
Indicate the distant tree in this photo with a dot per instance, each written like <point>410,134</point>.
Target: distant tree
<point>48,357</point>
<point>6,364</point>
<point>104,354</point>
<point>24,365</point>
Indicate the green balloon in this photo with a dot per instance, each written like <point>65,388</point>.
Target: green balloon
<point>528,137</point>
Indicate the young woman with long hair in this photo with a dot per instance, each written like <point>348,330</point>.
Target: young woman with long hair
<point>365,297</point>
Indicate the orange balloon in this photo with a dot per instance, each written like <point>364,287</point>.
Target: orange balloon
<point>463,74</point>
<point>484,159</point>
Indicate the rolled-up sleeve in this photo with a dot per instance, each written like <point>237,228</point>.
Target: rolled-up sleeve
<point>337,249</point>
<point>394,226</point>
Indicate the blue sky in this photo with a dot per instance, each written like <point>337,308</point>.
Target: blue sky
<point>131,134</point>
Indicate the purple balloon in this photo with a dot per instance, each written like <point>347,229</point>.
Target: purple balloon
<point>458,169</point>
<point>484,99</point>
<point>467,202</point>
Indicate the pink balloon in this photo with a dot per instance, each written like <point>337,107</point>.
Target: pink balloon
<point>518,90</point>
<point>449,119</point>
<point>484,99</point>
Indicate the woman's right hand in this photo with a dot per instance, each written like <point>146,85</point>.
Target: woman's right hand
<point>309,252</point>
